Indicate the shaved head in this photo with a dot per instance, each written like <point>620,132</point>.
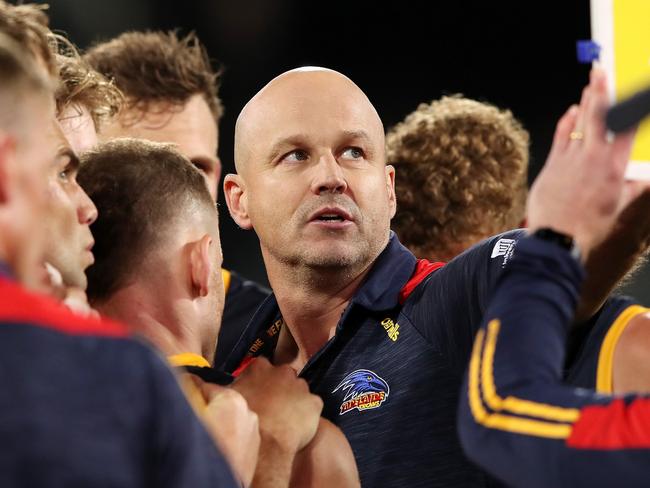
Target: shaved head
<point>302,92</point>
<point>312,176</point>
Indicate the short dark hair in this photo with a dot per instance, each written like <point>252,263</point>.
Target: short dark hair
<point>461,171</point>
<point>152,67</point>
<point>141,189</point>
<point>27,24</point>
<point>20,78</point>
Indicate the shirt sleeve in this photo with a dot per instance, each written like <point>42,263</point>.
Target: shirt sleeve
<point>516,419</point>
<point>450,304</point>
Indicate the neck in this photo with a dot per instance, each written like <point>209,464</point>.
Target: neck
<point>162,319</point>
<point>311,302</point>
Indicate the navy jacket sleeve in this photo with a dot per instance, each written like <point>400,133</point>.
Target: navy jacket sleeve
<point>516,419</point>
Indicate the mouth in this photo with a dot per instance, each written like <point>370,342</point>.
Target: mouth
<point>89,247</point>
<point>331,215</point>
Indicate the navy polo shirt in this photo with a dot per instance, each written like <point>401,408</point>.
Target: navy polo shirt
<point>390,376</point>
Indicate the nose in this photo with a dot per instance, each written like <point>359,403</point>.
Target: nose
<point>86,210</point>
<point>329,177</point>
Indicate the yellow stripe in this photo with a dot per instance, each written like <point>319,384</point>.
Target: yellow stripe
<point>513,404</point>
<point>605,371</point>
<point>192,394</point>
<point>225,276</point>
<point>188,359</point>
<point>505,422</point>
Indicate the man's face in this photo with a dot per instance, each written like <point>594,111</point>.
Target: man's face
<point>70,213</point>
<point>79,128</point>
<point>191,128</point>
<point>317,189</point>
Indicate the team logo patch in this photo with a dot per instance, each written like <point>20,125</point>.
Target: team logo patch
<point>502,247</point>
<point>364,390</point>
<point>505,248</point>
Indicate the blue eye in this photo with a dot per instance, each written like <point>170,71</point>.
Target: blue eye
<point>352,153</point>
<point>295,156</point>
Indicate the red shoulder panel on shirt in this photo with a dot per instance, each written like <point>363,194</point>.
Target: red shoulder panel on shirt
<point>614,426</point>
<point>423,269</point>
<point>21,306</point>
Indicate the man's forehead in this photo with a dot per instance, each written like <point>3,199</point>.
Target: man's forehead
<point>287,112</point>
<point>194,132</point>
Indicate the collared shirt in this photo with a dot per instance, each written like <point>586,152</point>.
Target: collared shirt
<point>390,376</point>
<point>243,297</point>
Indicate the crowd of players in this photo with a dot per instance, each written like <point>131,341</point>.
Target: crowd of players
<point>448,351</point>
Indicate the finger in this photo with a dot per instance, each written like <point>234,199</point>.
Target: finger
<point>597,103</point>
<point>210,390</point>
<point>584,100</point>
<point>564,127</point>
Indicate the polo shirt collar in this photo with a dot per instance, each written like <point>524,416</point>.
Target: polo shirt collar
<point>390,272</point>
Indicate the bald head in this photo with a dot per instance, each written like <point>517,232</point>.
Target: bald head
<point>312,176</point>
<point>297,100</point>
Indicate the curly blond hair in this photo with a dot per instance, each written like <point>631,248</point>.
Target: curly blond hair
<point>80,85</point>
<point>461,175</point>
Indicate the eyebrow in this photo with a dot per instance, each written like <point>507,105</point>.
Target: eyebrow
<point>73,162</point>
<point>299,139</point>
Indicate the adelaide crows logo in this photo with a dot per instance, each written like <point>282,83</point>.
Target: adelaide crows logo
<point>363,390</point>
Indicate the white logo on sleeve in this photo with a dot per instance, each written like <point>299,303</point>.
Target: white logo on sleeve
<point>502,247</point>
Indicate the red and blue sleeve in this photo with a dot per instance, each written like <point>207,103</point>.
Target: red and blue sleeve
<point>516,418</point>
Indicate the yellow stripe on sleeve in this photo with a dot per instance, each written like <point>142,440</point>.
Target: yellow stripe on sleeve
<point>513,404</point>
<point>506,423</point>
<point>605,371</point>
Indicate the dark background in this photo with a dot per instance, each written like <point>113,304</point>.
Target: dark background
<point>517,55</point>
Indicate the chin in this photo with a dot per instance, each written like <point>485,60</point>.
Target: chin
<point>332,259</point>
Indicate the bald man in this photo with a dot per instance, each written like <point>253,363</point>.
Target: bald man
<point>382,337</point>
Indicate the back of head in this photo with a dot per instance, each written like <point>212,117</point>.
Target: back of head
<point>461,175</point>
<point>27,25</point>
<point>143,191</point>
<point>155,67</point>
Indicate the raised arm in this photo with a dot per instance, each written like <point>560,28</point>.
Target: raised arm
<point>516,419</point>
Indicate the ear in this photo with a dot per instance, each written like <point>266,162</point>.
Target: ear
<point>234,190</point>
<point>7,159</point>
<point>201,265</point>
<point>390,188</point>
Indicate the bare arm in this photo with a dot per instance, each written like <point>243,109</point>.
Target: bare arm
<point>327,461</point>
<point>632,357</point>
